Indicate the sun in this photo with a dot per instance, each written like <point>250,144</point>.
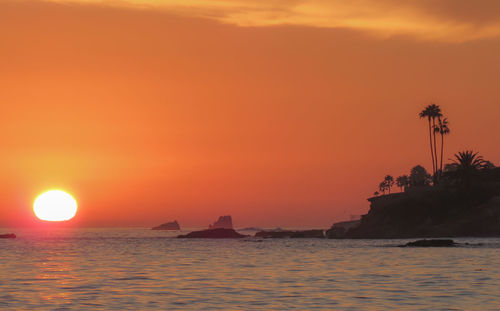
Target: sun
<point>55,205</point>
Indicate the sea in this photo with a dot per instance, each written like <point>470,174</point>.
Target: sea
<point>141,269</point>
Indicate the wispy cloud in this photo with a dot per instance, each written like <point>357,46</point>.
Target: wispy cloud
<point>441,20</point>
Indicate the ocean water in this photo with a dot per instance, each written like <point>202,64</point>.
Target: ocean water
<point>140,269</point>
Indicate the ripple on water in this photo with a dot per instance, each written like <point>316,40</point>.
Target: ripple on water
<point>139,269</point>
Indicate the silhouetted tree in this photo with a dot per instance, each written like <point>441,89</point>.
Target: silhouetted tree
<point>468,160</point>
<point>402,182</point>
<point>419,177</point>
<point>465,166</point>
<point>389,181</point>
<point>382,187</point>
<point>443,129</point>
<point>431,112</point>
<point>488,165</point>
<point>376,193</point>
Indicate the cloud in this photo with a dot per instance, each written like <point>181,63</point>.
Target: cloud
<point>439,20</point>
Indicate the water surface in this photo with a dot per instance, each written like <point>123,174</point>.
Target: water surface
<point>140,269</point>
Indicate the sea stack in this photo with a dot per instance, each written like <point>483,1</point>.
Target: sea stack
<point>224,222</point>
<point>173,226</point>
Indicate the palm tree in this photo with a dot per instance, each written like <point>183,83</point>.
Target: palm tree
<point>382,187</point>
<point>426,113</point>
<point>466,164</point>
<point>468,160</point>
<point>402,182</point>
<point>431,112</point>
<point>443,129</point>
<point>389,182</point>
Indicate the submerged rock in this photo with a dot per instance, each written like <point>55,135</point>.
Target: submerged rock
<point>219,233</point>
<point>225,222</point>
<point>174,225</point>
<point>316,233</point>
<point>8,236</point>
<point>431,243</point>
<point>251,229</point>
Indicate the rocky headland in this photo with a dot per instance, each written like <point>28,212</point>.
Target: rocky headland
<point>445,210</point>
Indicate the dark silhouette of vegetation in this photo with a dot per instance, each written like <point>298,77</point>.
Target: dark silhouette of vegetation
<point>488,165</point>
<point>443,130</point>
<point>431,112</point>
<point>465,168</point>
<point>438,125</point>
<point>403,182</point>
<point>386,184</point>
<point>419,177</point>
<point>468,161</point>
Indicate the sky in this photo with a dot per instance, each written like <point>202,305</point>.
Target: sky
<point>280,113</point>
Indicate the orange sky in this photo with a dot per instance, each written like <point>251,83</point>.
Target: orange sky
<point>284,114</point>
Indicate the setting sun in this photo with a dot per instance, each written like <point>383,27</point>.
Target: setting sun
<point>55,205</point>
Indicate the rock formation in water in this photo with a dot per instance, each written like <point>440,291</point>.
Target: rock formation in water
<point>251,229</point>
<point>339,229</point>
<point>174,226</point>
<point>219,233</point>
<point>224,222</point>
<point>431,243</point>
<point>307,234</point>
<point>8,236</point>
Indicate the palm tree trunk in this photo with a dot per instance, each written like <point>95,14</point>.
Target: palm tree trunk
<point>442,151</point>
<point>435,148</point>
<point>430,142</point>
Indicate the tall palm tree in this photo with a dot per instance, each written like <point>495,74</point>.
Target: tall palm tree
<point>435,114</point>
<point>443,129</point>
<point>426,113</point>
<point>431,112</point>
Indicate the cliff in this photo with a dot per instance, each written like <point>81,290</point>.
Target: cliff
<point>442,211</point>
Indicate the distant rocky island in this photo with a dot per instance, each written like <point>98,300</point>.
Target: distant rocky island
<point>8,236</point>
<point>224,222</point>
<point>218,233</point>
<point>173,226</point>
